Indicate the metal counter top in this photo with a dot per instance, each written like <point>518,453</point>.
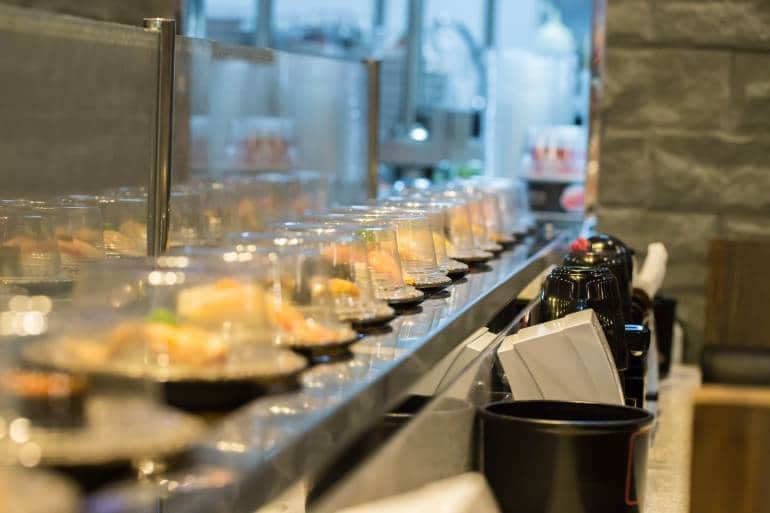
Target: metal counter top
<point>280,439</point>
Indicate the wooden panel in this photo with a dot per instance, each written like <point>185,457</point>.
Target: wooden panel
<point>738,294</point>
<point>731,450</point>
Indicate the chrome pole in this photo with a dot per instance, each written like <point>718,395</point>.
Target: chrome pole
<point>413,64</point>
<point>378,19</point>
<point>490,7</point>
<point>159,191</point>
<point>194,20</point>
<point>596,63</point>
<point>373,125</point>
<point>264,35</point>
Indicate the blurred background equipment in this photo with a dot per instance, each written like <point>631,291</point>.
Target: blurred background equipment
<point>466,88</point>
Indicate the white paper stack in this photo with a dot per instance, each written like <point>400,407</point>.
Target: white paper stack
<point>568,359</point>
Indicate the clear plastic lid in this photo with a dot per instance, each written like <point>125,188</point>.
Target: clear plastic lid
<point>313,191</point>
<point>382,255</point>
<point>416,248</point>
<point>514,204</point>
<point>301,304</point>
<point>29,254</point>
<point>186,220</point>
<point>169,319</point>
<point>79,235</point>
<point>350,285</point>
<point>125,225</point>
<point>473,199</point>
<point>439,216</point>
<point>219,208</point>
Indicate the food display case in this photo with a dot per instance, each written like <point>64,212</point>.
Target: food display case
<point>228,320</point>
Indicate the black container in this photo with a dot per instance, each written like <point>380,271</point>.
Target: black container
<point>554,457</point>
<point>603,243</point>
<point>638,343</point>
<point>570,289</point>
<point>665,315</point>
<point>615,263</point>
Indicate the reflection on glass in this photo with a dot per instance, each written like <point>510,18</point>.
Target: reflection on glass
<point>415,247</point>
<point>382,255</point>
<point>79,236</point>
<point>350,285</point>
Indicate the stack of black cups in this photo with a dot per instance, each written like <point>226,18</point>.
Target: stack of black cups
<point>610,256</point>
<point>549,456</point>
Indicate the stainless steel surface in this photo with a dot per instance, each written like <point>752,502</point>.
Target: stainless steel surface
<point>373,125</point>
<point>278,440</point>
<point>159,190</point>
<point>413,62</point>
<point>264,35</point>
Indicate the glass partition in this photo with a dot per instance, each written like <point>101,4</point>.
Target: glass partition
<point>77,109</point>
<point>246,111</point>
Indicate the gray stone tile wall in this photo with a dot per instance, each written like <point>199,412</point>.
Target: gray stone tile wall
<point>686,133</point>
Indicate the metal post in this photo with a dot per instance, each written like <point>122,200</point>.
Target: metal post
<point>595,106</point>
<point>378,20</point>
<point>194,20</point>
<point>373,125</point>
<point>413,64</point>
<point>159,191</point>
<point>264,35</point>
<point>490,8</point>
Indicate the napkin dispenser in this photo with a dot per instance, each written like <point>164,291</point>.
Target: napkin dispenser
<point>567,359</point>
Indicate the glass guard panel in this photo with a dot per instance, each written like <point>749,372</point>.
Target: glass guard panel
<point>243,111</point>
<point>77,106</point>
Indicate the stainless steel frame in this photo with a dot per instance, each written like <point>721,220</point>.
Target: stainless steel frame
<point>595,104</point>
<point>264,34</point>
<point>373,125</point>
<point>159,191</point>
<point>413,59</point>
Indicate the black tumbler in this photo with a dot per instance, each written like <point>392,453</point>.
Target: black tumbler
<point>570,289</point>
<point>665,316</point>
<point>615,263</point>
<point>603,243</point>
<point>638,343</point>
<point>555,457</point>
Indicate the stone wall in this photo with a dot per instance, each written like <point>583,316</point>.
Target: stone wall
<point>686,133</point>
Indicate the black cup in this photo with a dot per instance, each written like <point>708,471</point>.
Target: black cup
<point>638,342</point>
<point>603,243</point>
<point>665,316</point>
<point>570,289</point>
<point>615,263</point>
<point>552,456</point>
